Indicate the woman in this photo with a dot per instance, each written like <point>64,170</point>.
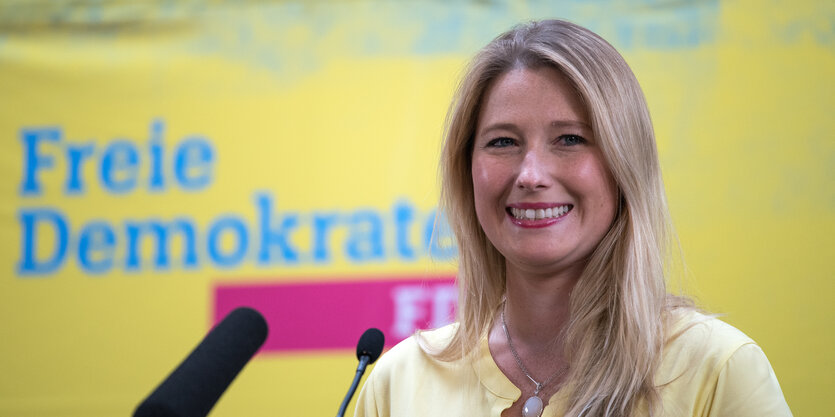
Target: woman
<point>552,186</point>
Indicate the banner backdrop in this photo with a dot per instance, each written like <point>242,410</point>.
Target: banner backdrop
<point>164,162</point>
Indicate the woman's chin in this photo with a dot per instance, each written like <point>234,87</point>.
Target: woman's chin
<point>540,262</point>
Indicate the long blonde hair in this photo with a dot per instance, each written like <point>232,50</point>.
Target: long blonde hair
<point>620,303</point>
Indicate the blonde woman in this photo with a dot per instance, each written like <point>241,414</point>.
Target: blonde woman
<point>552,186</point>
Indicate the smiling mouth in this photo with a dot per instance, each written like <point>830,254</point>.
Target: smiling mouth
<point>540,214</point>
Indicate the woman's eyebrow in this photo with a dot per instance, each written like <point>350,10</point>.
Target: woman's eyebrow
<point>499,126</point>
<point>570,123</point>
<point>564,124</point>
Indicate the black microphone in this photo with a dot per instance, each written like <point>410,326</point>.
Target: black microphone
<point>369,349</point>
<point>194,387</point>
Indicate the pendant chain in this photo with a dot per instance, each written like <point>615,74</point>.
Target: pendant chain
<point>539,386</point>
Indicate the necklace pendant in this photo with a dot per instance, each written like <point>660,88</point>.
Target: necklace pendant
<point>533,407</point>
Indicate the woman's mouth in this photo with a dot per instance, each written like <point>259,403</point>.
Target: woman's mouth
<point>532,214</point>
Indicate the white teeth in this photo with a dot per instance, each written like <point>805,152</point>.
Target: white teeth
<point>537,214</point>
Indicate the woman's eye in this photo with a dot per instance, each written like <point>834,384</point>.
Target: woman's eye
<point>571,140</point>
<point>501,143</point>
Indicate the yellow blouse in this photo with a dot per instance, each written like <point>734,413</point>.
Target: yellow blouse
<point>711,369</point>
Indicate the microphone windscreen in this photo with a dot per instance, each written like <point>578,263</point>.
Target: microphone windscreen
<point>194,387</point>
<point>371,344</point>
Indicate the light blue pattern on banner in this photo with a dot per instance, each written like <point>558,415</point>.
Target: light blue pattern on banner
<point>293,36</point>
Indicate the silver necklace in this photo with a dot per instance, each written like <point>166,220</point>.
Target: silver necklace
<point>533,405</point>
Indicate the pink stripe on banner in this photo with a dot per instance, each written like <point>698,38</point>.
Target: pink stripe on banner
<point>333,315</point>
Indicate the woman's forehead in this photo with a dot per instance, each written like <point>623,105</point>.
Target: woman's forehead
<point>522,95</point>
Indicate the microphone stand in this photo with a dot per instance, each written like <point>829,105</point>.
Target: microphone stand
<point>364,359</point>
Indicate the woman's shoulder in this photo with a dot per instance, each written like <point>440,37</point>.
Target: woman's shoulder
<point>414,379</point>
<point>709,367</point>
<point>689,325</point>
<point>697,338</point>
<point>409,371</point>
<point>416,350</point>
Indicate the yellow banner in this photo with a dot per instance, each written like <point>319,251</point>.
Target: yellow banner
<point>166,161</point>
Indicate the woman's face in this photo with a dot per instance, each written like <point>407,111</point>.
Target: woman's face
<point>543,194</point>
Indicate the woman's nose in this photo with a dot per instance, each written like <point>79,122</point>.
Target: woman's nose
<point>534,172</point>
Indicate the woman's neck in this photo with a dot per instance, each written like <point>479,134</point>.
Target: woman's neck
<point>538,307</point>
